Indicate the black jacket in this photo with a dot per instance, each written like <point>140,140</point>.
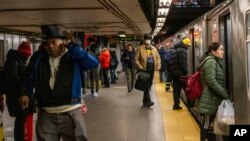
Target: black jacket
<point>14,68</point>
<point>130,62</point>
<point>178,62</point>
<point>67,87</point>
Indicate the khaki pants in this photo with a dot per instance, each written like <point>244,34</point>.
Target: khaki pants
<point>130,74</point>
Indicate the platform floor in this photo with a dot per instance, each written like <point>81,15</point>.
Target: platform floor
<point>116,115</point>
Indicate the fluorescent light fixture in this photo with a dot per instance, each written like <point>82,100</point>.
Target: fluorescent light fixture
<point>163,11</point>
<point>122,35</point>
<point>165,2</point>
<point>161,20</point>
<point>160,24</point>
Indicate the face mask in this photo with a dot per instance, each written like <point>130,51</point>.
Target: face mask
<point>148,42</point>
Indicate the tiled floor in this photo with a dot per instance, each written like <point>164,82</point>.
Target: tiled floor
<point>116,115</point>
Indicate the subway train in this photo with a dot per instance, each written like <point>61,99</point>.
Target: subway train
<point>229,24</point>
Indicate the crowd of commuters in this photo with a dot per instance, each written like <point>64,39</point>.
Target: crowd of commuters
<point>61,68</point>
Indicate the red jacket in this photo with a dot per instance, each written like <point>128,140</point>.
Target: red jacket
<point>105,59</point>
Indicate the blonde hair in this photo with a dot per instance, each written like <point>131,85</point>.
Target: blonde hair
<point>104,49</point>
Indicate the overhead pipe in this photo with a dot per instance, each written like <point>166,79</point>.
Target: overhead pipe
<point>110,6</point>
<point>51,9</point>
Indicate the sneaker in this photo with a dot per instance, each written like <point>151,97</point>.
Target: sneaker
<point>144,106</point>
<point>167,89</point>
<point>150,104</point>
<point>95,94</point>
<point>177,108</point>
<point>129,91</point>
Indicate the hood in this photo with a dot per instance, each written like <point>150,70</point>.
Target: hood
<point>12,54</point>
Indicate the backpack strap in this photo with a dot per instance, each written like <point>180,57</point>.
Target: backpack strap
<point>202,63</point>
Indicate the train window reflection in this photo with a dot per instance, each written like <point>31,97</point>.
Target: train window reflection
<point>248,51</point>
<point>248,26</point>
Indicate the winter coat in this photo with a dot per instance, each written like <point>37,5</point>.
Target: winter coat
<point>128,63</point>
<point>93,49</point>
<point>141,58</point>
<point>214,88</point>
<point>114,59</point>
<point>14,68</point>
<point>105,59</point>
<point>67,87</point>
<point>162,54</point>
<point>178,63</point>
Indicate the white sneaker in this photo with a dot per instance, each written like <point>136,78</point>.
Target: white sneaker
<point>95,94</point>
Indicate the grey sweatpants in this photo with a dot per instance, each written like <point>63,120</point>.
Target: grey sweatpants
<point>69,126</point>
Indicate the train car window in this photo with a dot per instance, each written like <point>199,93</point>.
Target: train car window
<point>248,26</point>
<point>248,46</point>
<point>15,41</point>
<point>1,36</point>
<point>215,37</point>
<point>225,39</point>
<point>8,38</point>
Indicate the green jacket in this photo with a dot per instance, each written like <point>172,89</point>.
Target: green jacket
<point>213,83</point>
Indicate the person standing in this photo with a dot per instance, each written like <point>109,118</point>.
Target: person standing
<point>93,73</point>
<point>14,68</point>
<point>167,59</point>
<point>162,72</point>
<point>177,68</point>
<point>105,64</point>
<point>128,59</point>
<point>213,81</point>
<point>113,66</point>
<point>56,76</point>
<point>147,59</point>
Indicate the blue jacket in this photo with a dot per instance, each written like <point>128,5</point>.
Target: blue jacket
<point>67,87</point>
<point>162,54</point>
<point>128,63</point>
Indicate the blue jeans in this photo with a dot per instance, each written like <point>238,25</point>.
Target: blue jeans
<point>162,76</point>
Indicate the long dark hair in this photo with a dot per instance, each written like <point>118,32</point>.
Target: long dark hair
<point>213,47</point>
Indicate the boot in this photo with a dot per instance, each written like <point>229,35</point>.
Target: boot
<point>203,134</point>
<point>210,135</point>
<point>207,135</point>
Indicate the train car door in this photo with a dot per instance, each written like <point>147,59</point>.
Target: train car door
<point>192,60</point>
<point>226,38</point>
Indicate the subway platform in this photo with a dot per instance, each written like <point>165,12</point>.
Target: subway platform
<point>116,115</point>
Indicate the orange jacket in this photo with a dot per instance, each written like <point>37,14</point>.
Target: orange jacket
<point>105,59</point>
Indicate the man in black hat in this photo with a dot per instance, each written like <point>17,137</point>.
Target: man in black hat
<point>55,75</point>
<point>147,59</point>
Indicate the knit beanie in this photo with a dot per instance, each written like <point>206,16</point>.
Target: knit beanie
<point>24,49</point>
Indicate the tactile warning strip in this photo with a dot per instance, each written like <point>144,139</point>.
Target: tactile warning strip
<point>179,125</point>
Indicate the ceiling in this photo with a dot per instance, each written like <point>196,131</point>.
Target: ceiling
<point>97,17</point>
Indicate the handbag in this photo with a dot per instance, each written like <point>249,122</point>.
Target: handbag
<point>142,81</point>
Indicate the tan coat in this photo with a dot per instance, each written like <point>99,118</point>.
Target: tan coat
<point>141,58</point>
